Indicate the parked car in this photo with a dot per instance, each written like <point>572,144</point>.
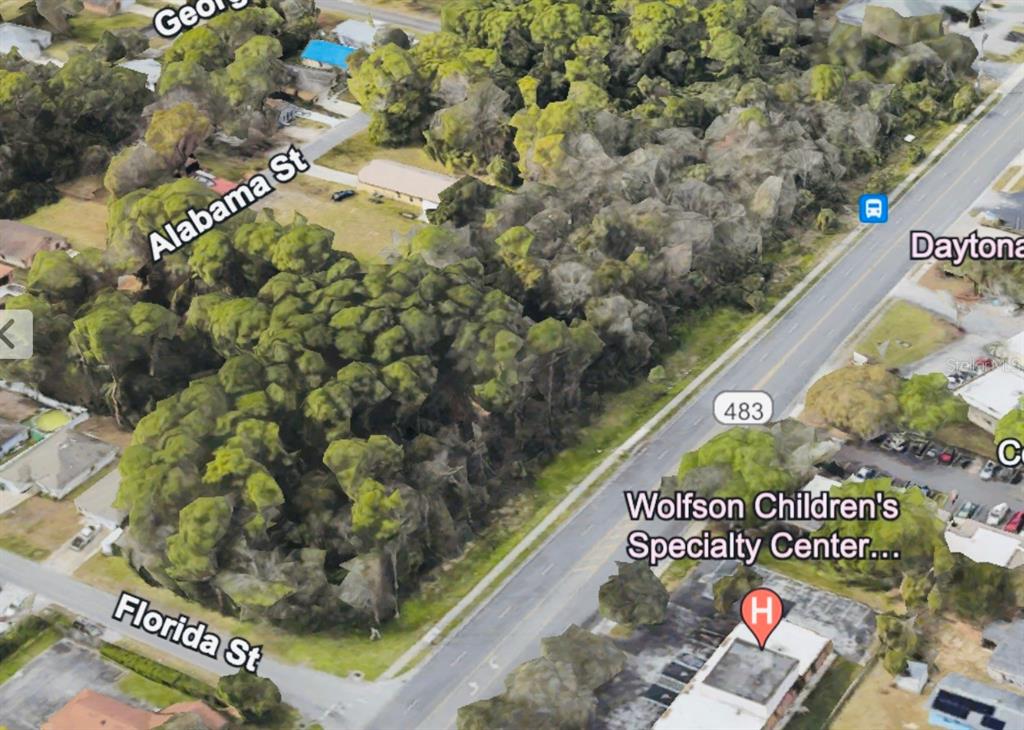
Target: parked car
<point>947,457</point>
<point>997,513</point>
<point>924,488</point>
<point>1015,523</point>
<point>864,473</point>
<point>967,510</point>
<point>988,470</point>
<point>84,537</point>
<point>895,442</point>
<point>338,195</point>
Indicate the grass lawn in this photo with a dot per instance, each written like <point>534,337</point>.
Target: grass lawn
<point>360,227</point>
<point>356,151</point>
<point>27,652</point>
<point>82,222</point>
<point>38,526</point>
<point>968,436</point>
<point>150,692</point>
<point>88,27</point>
<point>904,334</point>
<point>676,573</point>
<point>825,696</point>
<point>818,574</point>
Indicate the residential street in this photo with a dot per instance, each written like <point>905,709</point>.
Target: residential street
<point>558,585</point>
<point>313,693</point>
<point>358,10</point>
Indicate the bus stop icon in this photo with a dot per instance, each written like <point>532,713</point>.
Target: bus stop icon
<point>874,208</point>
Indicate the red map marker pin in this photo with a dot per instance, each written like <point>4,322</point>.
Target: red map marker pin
<point>762,612</point>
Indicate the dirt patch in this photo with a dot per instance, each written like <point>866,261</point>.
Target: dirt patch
<point>16,407</point>
<point>38,526</point>
<point>937,280</point>
<point>106,429</point>
<point>952,646</point>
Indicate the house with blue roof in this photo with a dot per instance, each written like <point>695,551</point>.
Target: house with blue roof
<point>324,54</point>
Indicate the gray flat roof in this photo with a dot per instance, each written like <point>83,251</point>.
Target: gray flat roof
<point>751,673</point>
<point>1008,706</point>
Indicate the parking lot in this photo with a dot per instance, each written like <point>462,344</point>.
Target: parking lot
<point>46,684</point>
<point>663,658</point>
<point>964,481</point>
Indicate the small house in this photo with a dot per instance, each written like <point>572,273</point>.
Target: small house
<point>405,183</point>
<point>29,42</point>
<point>324,54</point>
<point>19,243</point>
<point>96,504</point>
<point>12,435</point>
<point>58,464</point>
<point>355,33</point>
<point>148,67</point>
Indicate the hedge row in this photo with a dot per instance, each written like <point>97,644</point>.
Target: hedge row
<point>24,632</point>
<point>161,674</point>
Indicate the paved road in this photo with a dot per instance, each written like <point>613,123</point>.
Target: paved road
<point>313,693</point>
<point>558,585</point>
<point>405,20</point>
<point>334,136</point>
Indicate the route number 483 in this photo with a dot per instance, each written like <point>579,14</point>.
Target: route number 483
<point>743,407</point>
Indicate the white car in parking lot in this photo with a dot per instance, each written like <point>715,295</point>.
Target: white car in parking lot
<point>997,513</point>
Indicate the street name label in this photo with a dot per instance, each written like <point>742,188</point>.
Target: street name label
<point>284,167</point>
<point>956,250</point>
<point>170,22</point>
<point>180,630</point>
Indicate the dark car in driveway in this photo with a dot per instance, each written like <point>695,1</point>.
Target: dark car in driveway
<point>338,195</point>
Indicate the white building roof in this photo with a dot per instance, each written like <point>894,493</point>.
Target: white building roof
<point>853,12</point>
<point>148,67</point>
<point>816,486</point>
<point>740,686</point>
<point>406,179</point>
<point>98,500</point>
<point>355,33</point>
<point>984,544</point>
<point>995,393</point>
<point>30,42</point>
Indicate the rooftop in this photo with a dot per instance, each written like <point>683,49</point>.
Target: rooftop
<point>406,179</point>
<point>90,709</point>
<point>748,672</point>
<point>963,698</point>
<point>19,242</point>
<point>28,41</point>
<point>1009,640</point>
<point>355,33</point>
<point>853,12</point>
<point>740,687</point>
<point>995,393</point>
<point>332,54</point>
<point>57,461</point>
<point>99,499</point>
<point>984,544</point>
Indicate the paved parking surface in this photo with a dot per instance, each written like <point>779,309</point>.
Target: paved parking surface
<point>966,482</point>
<point>46,684</point>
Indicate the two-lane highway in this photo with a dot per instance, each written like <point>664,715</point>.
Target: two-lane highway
<point>558,585</point>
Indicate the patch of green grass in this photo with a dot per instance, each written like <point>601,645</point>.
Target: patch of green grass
<point>356,151</point>
<point>88,27</point>
<point>676,573</point>
<point>18,545</point>
<point>825,696</point>
<point>27,652</point>
<point>82,222</point>
<point>968,436</point>
<point>150,692</point>
<point>904,334</point>
<point>820,574</point>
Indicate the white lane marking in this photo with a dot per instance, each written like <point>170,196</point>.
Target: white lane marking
<point>457,659</point>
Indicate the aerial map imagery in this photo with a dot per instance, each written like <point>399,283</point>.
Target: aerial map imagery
<point>511,364</point>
